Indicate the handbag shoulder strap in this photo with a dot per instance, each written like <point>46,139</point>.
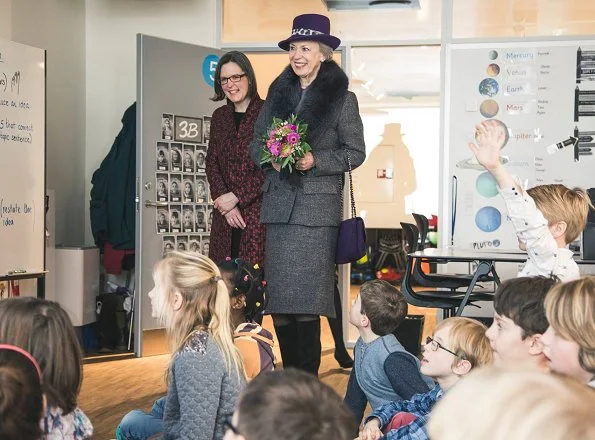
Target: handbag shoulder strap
<point>353,210</point>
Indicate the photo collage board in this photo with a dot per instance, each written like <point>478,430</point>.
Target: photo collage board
<point>185,210</point>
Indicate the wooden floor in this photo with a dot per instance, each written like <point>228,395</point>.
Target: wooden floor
<point>111,389</point>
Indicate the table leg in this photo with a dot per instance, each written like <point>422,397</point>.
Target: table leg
<point>41,287</point>
<point>483,268</point>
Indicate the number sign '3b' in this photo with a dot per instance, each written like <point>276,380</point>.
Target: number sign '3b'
<point>188,129</point>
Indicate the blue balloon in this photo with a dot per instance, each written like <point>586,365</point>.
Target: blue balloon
<point>488,219</point>
<point>209,65</point>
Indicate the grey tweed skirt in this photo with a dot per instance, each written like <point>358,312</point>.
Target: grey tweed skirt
<point>300,269</point>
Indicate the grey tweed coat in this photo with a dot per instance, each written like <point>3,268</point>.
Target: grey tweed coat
<point>303,213</point>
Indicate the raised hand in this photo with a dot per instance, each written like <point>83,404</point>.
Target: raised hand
<point>490,136</point>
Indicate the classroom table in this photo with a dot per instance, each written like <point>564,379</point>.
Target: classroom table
<point>485,264</point>
<point>39,276</point>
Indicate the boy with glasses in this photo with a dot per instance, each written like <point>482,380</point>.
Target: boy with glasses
<point>458,345</point>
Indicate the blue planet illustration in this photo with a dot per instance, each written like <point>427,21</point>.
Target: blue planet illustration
<point>489,87</point>
<point>486,185</point>
<point>488,219</point>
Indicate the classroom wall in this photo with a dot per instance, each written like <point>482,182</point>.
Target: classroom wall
<point>111,28</point>
<point>59,27</point>
<point>5,19</point>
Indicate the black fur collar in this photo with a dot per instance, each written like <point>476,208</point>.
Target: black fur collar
<point>323,97</point>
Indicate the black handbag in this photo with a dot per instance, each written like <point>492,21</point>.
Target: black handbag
<point>351,243</point>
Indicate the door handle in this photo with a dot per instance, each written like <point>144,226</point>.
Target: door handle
<point>149,203</point>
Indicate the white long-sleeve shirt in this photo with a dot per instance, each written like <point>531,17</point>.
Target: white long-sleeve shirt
<point>544,256</point>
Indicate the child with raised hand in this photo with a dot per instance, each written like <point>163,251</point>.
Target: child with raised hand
<point>44,329</point>
<point>383,371</point>
<point>569,342</point>
<point>458,346</point>
<point>519,322</point>
<point>248,296</point>
<point>546,217</point>
<point>21,396</point>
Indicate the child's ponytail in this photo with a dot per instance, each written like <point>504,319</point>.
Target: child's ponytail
<point>205,305</point>
<point>221,329</point>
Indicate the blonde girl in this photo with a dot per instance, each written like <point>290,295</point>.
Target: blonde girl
<point>205,374</point>
<point>569,342</point>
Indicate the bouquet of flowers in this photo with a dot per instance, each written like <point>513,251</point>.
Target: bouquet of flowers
<point>285,142</point>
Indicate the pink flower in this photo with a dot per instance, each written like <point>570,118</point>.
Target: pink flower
<point>275,148</point>
<point>293,138</point>
<point>292,127</point>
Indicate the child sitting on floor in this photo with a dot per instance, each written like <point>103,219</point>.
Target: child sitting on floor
<point>546,218</point>
<point>569,342</point>
<point>247,291</point>
<point>44,329</point>
<point>383,371</point>
<point>248,296</point>
<point>21,396</point>
<point>290,405</point>
<point>519,322</point>
<point>458,346</point>
<point>496,403</point>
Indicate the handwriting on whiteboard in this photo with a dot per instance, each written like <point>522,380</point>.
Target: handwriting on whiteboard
<point>10,82</point>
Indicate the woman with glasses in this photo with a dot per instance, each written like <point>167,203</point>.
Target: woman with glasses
<point>235,181</point>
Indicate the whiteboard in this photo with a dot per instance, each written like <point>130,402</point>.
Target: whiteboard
<point>542,93</point>
<point>22,158</point>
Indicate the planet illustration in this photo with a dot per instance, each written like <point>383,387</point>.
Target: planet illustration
<point>489,87</point>
<point>492,54</point>
<point>493,70</point>
<point>488,219</point>
<point>489,108</point>
<point>486,185</point>
<point>504,129</point>
<point>473,164</point>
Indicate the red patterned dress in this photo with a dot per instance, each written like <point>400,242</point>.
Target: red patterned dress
<point>230,169</point>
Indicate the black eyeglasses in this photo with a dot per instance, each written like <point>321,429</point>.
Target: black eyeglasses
<point>232,78</point>
<point>435,345</point>
<point>228,425</point>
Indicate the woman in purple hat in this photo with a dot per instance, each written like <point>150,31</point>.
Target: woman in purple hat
<point>302,211</point>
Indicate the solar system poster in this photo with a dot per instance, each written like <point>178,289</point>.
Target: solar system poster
<point>539,94</point>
